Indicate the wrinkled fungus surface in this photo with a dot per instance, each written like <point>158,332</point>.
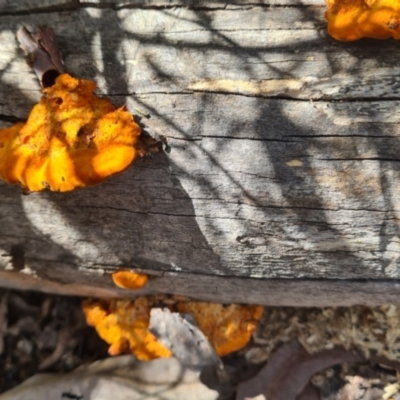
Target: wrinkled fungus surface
<point>124,324</point>
<point>228,328</point>
<point>354,19</point>
<point>72,139</point>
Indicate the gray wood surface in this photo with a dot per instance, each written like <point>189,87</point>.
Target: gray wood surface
<point>281,178</point>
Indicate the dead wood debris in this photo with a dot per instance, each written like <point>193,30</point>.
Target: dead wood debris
<point>292,373</point>
<point>42,53</point>
<point>329,337</point>
<point>366,329</point>
<point>290,369</point>
<point>43,333</point>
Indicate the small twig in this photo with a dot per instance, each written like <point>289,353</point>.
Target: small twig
<point>63,339</point>
<point>42,54</point>
<point>3,319</point>
<point>45,308</point>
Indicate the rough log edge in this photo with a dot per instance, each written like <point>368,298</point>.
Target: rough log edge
<point>267,292</point>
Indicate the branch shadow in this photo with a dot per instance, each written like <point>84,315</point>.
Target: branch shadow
<point>143,238</point>
<point>159,214</point>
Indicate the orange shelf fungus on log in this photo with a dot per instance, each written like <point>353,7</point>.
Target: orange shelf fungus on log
<point>353,19</point>
<point>228,328</point>
<point>72,138</point>
<point>124,324</point>
<point>129,280</point>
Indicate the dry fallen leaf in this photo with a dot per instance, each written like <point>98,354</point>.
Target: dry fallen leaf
<point>289,370</point>
<point>116,378</point>
<point>185,340</point>
<point>42,53</point>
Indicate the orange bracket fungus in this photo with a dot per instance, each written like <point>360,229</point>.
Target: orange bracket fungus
<point>124,324</point>
<point>228,328</point>
<point>72,138</point>
<point>129,280</point>
<point>354,19</point>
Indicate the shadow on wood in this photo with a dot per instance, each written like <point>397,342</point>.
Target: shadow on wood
<point>263,192</point>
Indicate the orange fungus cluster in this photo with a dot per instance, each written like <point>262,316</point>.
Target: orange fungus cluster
<point>71,139</point>
<point>354,19</point>
<point>228,328</point>
<point>124,324</point>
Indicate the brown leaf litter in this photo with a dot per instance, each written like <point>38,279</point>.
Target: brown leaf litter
<point>43,333</point>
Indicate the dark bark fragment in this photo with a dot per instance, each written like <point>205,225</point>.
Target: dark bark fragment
<point>42,54</point>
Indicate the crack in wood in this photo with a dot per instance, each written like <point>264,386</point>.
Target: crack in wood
<point>394,160</point>
<point>75,5</point>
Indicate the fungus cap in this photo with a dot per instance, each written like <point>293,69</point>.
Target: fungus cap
<point>228,328</point>
<point>123,324</point>
<point>126,279</point>
<point>72,139</point>
<point>353,19</point>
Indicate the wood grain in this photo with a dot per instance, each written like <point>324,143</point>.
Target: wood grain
<point>281,172</point>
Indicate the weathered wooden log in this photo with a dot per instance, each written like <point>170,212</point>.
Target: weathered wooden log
<point>280,181</point>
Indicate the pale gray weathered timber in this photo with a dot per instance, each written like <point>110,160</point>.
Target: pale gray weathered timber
<point>34,6</point>
<point>281,177</point>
